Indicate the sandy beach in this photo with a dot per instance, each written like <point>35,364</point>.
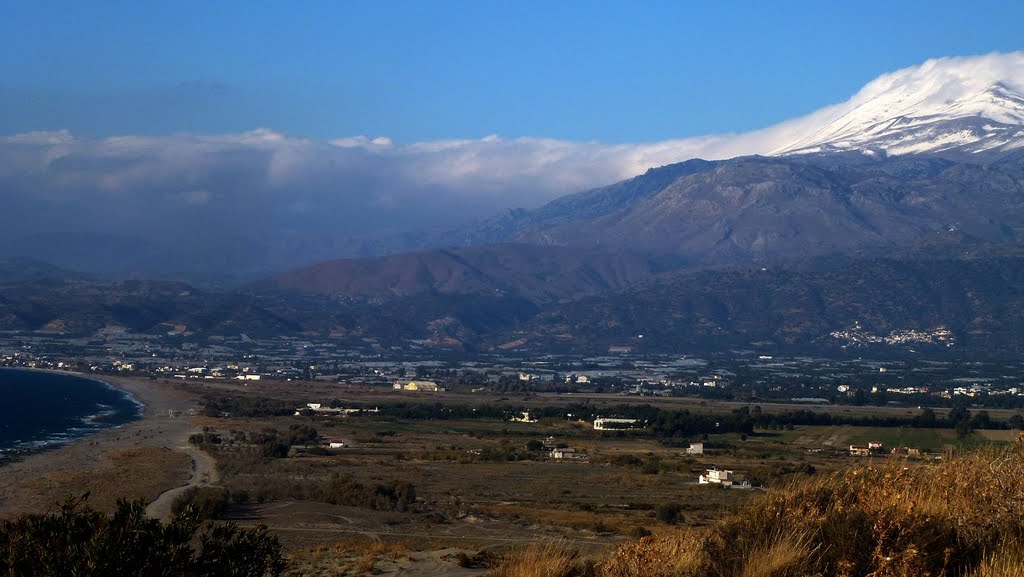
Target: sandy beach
<point>139,460</point>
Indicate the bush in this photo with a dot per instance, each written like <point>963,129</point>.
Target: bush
<point>639,532</point>
<point>207,502</point>
<point>336,490</point>
<point>670,513</point>
<point>80,541</point>
<point>651,467</point>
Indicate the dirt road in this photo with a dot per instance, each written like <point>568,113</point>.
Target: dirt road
<point>204,473</point>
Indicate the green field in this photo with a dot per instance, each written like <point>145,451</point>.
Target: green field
<point>931,439</point>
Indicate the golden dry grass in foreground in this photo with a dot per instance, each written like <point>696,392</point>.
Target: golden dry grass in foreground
<point>551,559</point>
<point>961,517</point>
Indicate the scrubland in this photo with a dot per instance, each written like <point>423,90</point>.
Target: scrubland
<point>962,516</point>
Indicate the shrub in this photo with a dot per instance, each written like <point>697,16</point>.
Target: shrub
<point>639,532</point>
<point>207,502</point>
<point>80,541</point>
<point>670,513</point>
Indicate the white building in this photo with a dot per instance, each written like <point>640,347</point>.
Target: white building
<point>524,418</point>
<point>419,386</point>
<point>607,423</point>
<point>716,476</point>
<point>563,453</point>
<point>695,448</point>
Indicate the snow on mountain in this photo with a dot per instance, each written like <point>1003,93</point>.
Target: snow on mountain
<point>969,104</point>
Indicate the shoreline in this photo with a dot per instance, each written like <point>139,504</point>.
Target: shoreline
<point>141,458</point>
<point>16,453</point>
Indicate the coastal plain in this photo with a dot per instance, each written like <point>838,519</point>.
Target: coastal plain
<point>418,493</point>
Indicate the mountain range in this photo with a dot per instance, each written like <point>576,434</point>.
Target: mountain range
<point>902,209</point>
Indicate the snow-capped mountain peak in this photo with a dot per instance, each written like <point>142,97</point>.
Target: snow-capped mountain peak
<point>962,104</point>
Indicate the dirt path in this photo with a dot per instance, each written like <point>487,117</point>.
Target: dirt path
<point>204,473</point>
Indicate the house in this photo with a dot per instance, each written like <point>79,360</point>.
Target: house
<point>859,451</point>
<point>337,444</point>
<point>715,476</point>
<point>607,423</point>
<point>695,448</point>
<point>319,409</point>
<point>420,386</point>
<point>524,418</point>
<point>563,453</point>
<point>906,451</point>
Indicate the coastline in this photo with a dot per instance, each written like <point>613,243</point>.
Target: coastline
<point>142,458</point>
<point>10,455</point>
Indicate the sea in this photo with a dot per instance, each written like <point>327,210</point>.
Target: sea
<point>41,410</point>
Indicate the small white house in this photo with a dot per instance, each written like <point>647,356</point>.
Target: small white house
<point>337,444</point>
<point>524,417</point>
<point>564,454</point>
<point>422,386</point>
<point>717,477</point>
<point>695,448</point>
<point>606,423</point>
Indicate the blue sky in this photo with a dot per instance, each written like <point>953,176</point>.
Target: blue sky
<point>418,71</point>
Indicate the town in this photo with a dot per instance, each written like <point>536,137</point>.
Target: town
<point>904,380</point>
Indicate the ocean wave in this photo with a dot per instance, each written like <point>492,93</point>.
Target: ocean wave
<point>127,395</point>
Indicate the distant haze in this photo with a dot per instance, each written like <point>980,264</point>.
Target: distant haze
<point>252,203</point>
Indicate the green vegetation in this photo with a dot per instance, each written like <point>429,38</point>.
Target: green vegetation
<point>78,541</point>
<point>931,439</point>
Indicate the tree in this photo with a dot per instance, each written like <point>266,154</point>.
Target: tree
<point>981,420</point>
<point>958,413</point>
<point>963,428</point>
<point>926,419</point>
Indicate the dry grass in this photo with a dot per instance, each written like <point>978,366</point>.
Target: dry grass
<point>348,557</point>
<point>550,559</point>
<point>551,517</point>
<point>114,474</point>
<point>662,556</point>
<point>1008,561</point>
<point>964,516</point>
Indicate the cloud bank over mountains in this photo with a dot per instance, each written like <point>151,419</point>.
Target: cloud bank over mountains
<point>284,191</point>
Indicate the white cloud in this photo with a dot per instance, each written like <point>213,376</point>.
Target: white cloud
<point>266,182</point>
